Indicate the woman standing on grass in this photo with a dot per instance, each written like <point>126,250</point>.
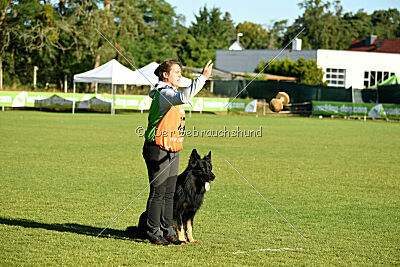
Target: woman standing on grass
<point>164,138</point>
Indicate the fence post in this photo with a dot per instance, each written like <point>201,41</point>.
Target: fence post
<point>263,107</point>
<point>65,83</point>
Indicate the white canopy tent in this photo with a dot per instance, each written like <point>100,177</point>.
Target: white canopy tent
<point>114,73</point>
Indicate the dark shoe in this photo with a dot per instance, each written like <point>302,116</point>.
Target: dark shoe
<point>161,241</point>
<point>175,241</point>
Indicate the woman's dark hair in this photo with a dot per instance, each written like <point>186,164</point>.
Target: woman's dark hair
<point>166,67</point>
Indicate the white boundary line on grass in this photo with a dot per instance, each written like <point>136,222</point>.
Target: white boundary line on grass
<point>268,249</point>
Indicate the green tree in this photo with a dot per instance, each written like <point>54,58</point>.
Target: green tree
<point>276,34</point>
<point>34,31</point>
<point>209,32</point>
<point>159,37</point>
<point>327,27</point>
<point>5,32</point>
<point>354,26</point>
<point>386,23</point>
<point>254,35</point>
<point>62,39</point>
<point>320,25</point>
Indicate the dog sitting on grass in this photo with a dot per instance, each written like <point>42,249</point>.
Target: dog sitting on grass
<point>191,186</point>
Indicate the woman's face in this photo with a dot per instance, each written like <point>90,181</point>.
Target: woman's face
<point>174,76</point>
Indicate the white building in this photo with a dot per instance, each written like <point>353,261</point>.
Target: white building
<point>357,69</point>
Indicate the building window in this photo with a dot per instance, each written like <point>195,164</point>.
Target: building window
<point>335,77</point>
<point>372,78</point>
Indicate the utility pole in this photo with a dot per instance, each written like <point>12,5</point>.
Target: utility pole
<point>239,35</point>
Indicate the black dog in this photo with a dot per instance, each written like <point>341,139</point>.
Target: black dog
<point>191,186</point>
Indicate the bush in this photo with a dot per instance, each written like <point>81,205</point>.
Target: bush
<point>306,72</point>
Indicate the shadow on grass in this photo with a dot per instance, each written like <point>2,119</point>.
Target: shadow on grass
<point>131,233</point>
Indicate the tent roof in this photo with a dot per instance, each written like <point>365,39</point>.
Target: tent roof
<point>115,73</point>
<point>151,78</point>
<point>146,74</point>
<point>110,72</point>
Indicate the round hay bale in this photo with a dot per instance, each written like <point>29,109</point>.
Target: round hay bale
<point>276,105</point>
<point>284,97</point>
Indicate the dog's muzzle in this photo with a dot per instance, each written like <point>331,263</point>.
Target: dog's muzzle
<point>212,177</point>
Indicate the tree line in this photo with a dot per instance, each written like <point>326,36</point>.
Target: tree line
<point>62,37</point>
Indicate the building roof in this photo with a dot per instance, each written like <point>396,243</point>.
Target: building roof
<point>265,76</point>
<point>379,45</point>
<point>215,73</point>
<point>248,60</point>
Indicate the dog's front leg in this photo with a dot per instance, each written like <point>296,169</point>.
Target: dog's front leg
<point>189,230</point>
<point>178,225</point>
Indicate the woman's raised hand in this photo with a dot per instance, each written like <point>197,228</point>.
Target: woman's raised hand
<point>207,69</point>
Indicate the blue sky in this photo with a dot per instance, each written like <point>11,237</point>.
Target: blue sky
<point>264,12</point>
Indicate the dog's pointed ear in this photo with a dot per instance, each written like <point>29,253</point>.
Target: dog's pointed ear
<point>194,157</point>
<point>208,157</point>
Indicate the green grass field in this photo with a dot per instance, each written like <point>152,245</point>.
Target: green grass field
<point>63,177</point>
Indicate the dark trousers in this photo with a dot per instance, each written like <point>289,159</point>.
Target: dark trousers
<point>162,168</point>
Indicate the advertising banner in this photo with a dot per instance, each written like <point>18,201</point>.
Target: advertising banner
<point>21,99</point>
<point>207,104</point>
<point>246,105</point>
<point>103,101</point>
<point>53,101</point>
<point>355,109</point>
